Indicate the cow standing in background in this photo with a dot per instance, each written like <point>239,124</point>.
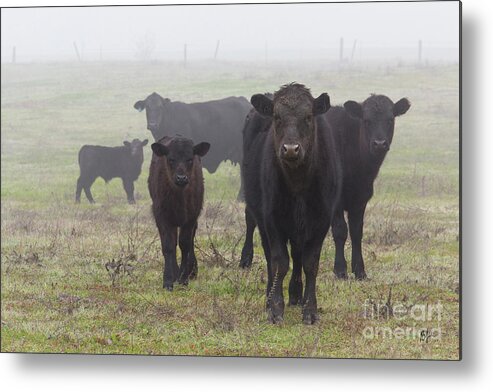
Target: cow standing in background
<point>176,186</point>
<point>124,162</point>
<point>218,122</point>
<point>292,182</point>
<point>364,132</point>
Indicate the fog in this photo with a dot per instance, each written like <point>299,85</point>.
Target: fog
<point>298,32</point>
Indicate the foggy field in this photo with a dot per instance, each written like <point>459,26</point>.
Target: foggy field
<point>88,278</point>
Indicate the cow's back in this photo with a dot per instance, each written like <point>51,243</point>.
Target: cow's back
<point>217,122</point>
<point>106,162</point>
<point>357,178</point>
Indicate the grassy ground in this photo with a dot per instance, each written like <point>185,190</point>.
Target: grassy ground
<point>84,278</point>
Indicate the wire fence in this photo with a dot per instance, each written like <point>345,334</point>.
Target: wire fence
<point>346,52</point>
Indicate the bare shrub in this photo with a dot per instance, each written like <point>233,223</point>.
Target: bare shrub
<point>145,47</point>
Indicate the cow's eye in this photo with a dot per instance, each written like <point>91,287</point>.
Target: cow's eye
<point>309,118</point>
<point>277,118</point>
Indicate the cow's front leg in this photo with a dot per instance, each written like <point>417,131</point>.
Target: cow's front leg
<point>279,265</point>
<point>186,243</point>
<point>193,258</point>
<point>355,218</point>
<point>311,258</point>
<point>168,245</point>
<point>128,185</point>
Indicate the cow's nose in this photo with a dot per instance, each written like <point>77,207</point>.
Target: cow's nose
<point>290,151</point>
<point>381,144</point>
<point>181,179</point>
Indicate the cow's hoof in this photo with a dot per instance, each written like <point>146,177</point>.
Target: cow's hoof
<point>168,286</point>
<point>131,202</point>
<point>245,264</point>
<point>275,312</point>
<point>295,301</point>
<point>246,261</point>
<point>360,275</point>
<point>275,319</point>
<point>341,275</point>
<point>310,318</point>
<point>295,294</point>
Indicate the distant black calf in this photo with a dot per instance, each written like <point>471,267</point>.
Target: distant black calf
<point>292,180</point>
<point>364,133</point>
<point>176,186</point>
<point>124,162</point>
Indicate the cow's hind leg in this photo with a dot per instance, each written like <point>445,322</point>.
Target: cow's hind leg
<point>241,192</point>
<point>296,282</point>
<point>78,190</point>
<point>355,218</point>
<point>339,234</point>
<point>88,181</point>
<point>266,247</point>
<point>247,251</point>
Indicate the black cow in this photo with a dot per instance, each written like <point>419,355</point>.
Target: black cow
<point>217,122</point>
<point>253,123</point>
<point>364,133</point>
<point>124,162</point>
<point>292,182</point>
<point>176,187</point>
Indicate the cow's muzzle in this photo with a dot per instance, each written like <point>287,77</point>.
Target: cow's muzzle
<point>380,146</point>
<point>153,127</point>
<point>181,180</point>
<point>290,152</point>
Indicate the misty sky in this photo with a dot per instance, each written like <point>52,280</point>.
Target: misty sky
<point>41,34</point>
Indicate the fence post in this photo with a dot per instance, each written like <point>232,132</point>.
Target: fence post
<point>217,49</point>
<point>354,50</point>
<point>77,51</point>
<point>341,49</point>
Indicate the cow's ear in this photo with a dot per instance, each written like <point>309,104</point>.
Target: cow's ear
<point>140,105</point>
<point>262,104</point>
<point>159,149</point>
<point>401,106</point>
<point>165,100</point>
<point>201,149</point>
<point>321,104</point>
<point>354,109</point>
<point>144,143</point>
<point>126,144</point>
